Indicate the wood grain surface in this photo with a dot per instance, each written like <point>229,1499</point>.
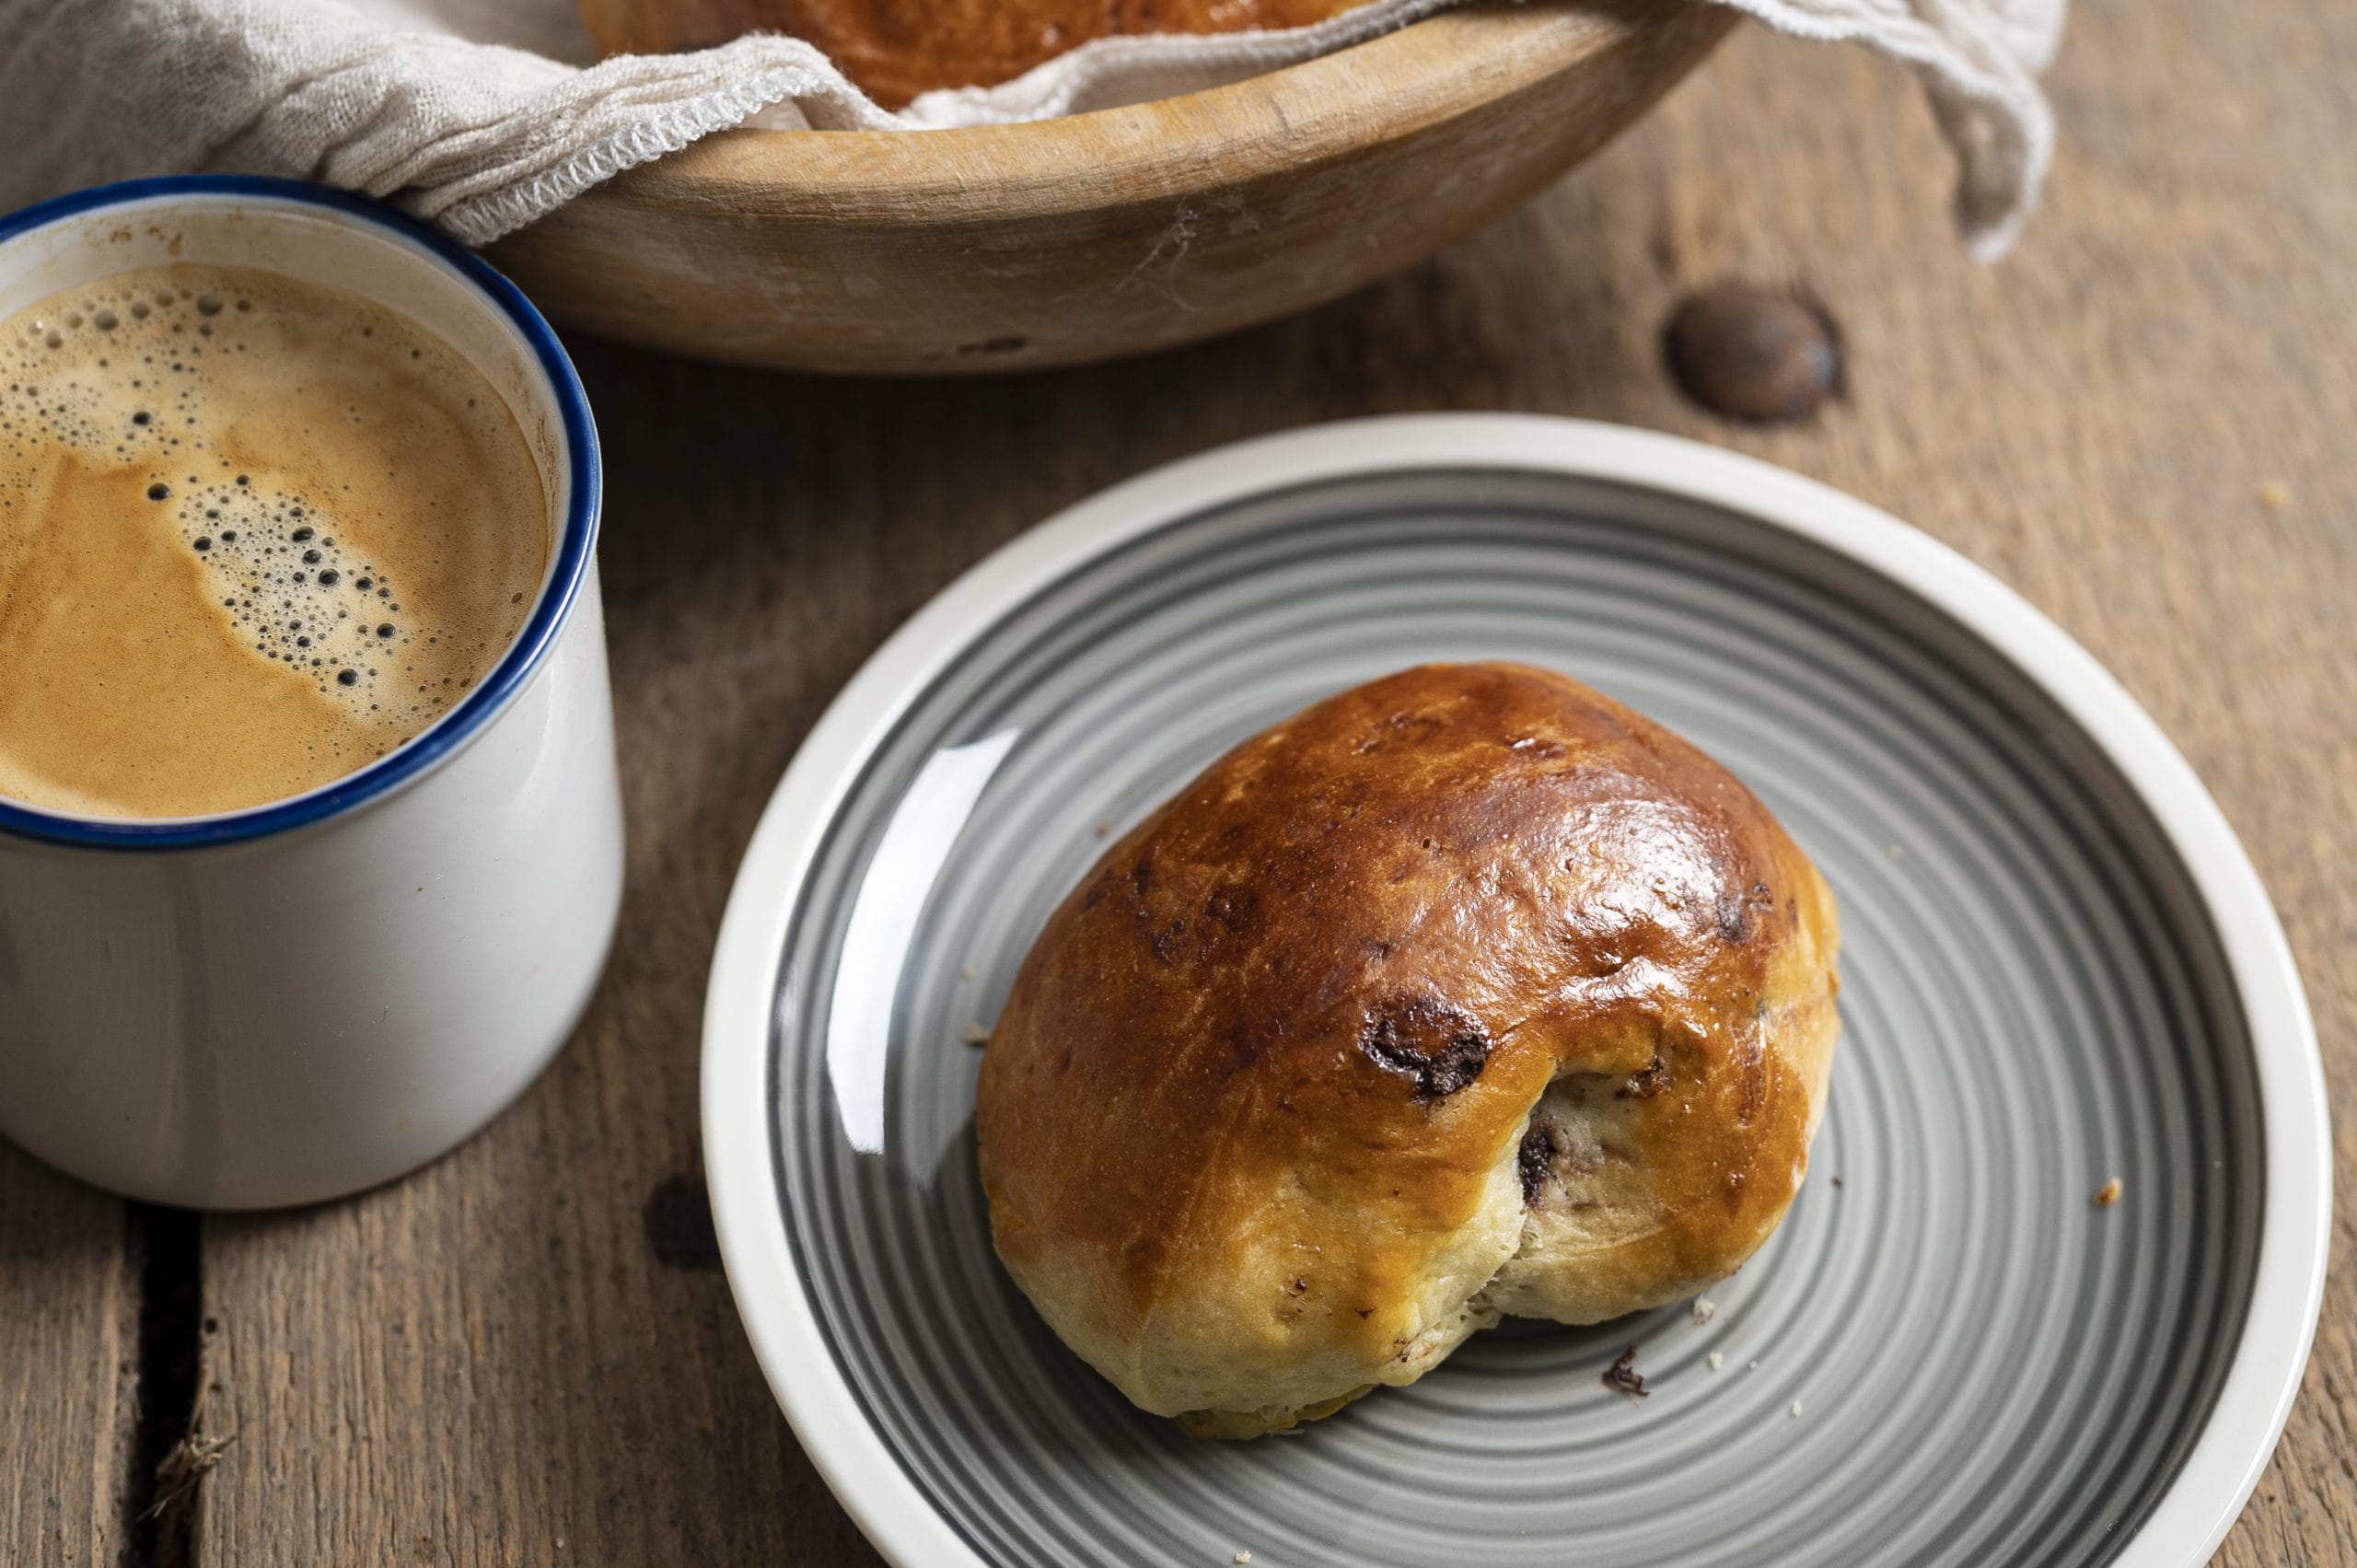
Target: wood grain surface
<point>525,1354</point>
<point>69,1319</point>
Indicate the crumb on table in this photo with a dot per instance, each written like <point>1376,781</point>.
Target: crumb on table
<point>2108,1194</point>
<point>2274,496</point>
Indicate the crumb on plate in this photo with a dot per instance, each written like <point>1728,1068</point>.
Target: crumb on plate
<point>1622,1377</point>
<point>2108,1194</point>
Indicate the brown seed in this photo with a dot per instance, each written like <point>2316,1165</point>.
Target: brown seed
<point>1760,354</point>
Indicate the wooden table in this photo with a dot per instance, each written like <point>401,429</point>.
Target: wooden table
<point>527,1355</point>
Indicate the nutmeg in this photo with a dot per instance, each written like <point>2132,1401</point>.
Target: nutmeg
<point>1763,355</point>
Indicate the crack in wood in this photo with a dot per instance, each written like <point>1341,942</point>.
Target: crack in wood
<point>166,1248</point>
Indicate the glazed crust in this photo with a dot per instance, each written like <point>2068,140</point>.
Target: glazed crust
<point>897,49</point>
<point>1467,990</point>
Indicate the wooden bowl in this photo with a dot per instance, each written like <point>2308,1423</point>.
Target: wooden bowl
<point>937,252</point>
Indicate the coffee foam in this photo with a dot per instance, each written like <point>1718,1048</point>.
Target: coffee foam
<point>254,533</point>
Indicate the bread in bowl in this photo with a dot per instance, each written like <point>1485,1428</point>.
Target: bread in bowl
<point>894,50</point>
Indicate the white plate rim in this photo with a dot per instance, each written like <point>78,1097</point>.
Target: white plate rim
<point>2239,1434</point>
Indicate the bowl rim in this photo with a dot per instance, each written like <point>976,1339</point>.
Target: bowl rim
<point>2238,1436</point>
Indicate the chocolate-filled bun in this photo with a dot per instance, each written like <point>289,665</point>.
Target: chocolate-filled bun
<point>1466,993</point>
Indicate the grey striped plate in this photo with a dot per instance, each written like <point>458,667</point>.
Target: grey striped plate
<point>2057,970</point>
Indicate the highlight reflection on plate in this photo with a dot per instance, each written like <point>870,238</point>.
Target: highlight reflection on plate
<point>2056,970</point>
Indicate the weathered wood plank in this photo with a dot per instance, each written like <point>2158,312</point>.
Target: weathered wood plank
<point>69,1345</point>
<point>494,1357</point>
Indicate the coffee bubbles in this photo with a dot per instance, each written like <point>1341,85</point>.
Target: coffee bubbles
<point>282,582</point>
<point>254,534</point>
<point>294,593</point>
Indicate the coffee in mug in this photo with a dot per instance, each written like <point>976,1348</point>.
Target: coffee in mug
<point>255,533</point>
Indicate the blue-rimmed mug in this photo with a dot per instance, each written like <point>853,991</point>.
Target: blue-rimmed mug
<point>287,1003</point>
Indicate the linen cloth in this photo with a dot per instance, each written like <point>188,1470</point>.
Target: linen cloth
<point>482,115</point>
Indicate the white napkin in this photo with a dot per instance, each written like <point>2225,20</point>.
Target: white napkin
<point>482,115</point>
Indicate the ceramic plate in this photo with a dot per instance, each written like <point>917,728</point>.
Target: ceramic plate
<point>2058,968</point>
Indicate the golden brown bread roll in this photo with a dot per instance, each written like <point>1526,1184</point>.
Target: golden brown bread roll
<point>1467,992</point>
<point>897,49</point>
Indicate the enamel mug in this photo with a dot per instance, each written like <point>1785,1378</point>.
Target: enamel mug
<point>304,998</point>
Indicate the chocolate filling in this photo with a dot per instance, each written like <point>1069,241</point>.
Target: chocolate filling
<point>1533,1161</point>
<point>1734,910</point>
<point>1438,1046</point>
<point>1647,1084</point>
